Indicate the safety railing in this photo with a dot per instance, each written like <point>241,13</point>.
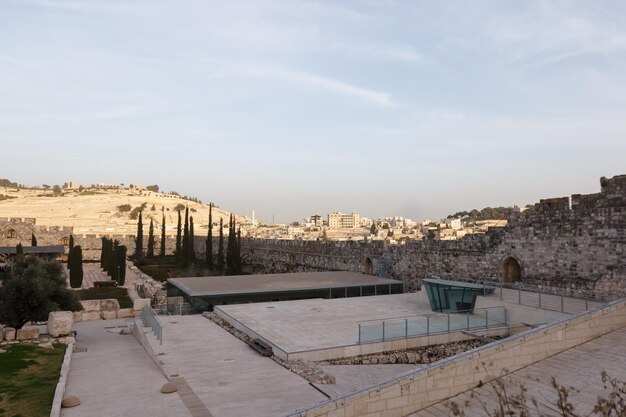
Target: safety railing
<point>547,299</point>
<point>150,318</point>
<point>428,324</point>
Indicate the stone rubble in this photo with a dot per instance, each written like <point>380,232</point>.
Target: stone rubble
<point>419,355</point>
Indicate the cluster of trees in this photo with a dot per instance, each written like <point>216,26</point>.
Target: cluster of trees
<point>233,254</point>
<point>233,264</point>
<point>185,238</point>
<point>488,213</point>
<point>6,183</point>
<point>185,243</point>
<point>113,259</point>
<point>31,288</point>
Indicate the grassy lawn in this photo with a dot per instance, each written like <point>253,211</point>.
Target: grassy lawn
<point>28,378</point>
<point>119,293</point>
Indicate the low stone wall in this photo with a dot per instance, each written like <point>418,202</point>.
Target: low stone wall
<point>108,309</point>
<point>415,390</point>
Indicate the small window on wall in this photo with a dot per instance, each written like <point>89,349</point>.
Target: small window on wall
<point>11,234</point>
<point>65,241</point>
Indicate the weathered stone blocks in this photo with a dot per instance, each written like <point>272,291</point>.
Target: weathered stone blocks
<point>140,303</point>
<point>125,313</point>
<point>60,323</point>
<point>27,333</point>
<point>109,305</point>
<point>9,334</point>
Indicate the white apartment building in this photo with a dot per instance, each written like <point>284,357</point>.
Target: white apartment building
<point>339,220</point>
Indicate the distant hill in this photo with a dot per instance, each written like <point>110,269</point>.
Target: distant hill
<point>103,211</point>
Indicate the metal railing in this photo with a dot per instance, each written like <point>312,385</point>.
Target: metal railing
<point>428,324</point>
<point>150,318</point>
<point>532,296</point>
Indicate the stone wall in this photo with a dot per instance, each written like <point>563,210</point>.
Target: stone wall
<point>577,250</point>
<point>19,230</point>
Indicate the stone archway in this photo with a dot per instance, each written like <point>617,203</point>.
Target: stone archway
<point>368,267</point>
<point>511,270</point>
<point>292,262</point>
<point>11,234</point>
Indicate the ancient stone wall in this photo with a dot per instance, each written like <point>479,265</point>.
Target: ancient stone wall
<point>578,249</point>
<point>14,231</point>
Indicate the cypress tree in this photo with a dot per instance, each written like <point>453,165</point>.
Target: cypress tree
<point>178,235</point>
<point>107,255</point>
<point>230,250</point>
<point>102,250</point>
<point>238,252</point>
<point>139,240</point>
<point>185,248</point>
<point>150,251</point>
<point>192,249</point>
<point>120,260</point>
<point>19,250</point>
<point>113,270</point>
<point>33,240</point>
<point>209,241</point>
<point>162,249</point>
<point>76,271</point>
<point>69,251</point>
<point>220,248</point>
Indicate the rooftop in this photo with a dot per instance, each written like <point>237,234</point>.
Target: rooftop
<point>235,284</point>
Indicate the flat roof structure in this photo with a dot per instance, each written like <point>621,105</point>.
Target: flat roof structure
<point>320,329</point>
<point>204,292</point>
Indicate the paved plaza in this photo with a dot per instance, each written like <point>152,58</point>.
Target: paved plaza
<point>116,377</point>
<point>230,378</point>
<point>320,323</point>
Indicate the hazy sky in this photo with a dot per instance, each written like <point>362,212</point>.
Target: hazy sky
<point>414,108</point>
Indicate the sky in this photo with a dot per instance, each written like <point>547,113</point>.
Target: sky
<point>292,108</point>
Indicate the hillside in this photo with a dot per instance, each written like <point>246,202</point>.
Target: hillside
<point>98,211</point>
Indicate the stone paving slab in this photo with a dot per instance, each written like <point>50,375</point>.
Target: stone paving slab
<point>230,378</point>
<point>116,377</point>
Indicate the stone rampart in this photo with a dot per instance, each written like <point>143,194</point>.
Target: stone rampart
<point>578,250</point>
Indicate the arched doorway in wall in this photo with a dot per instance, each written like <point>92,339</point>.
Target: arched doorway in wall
<point>292,262</point>
<point>11,234</point>
<point>511,270</point>
<point>368,267</point>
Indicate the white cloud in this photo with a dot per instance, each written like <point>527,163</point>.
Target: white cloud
<point>331,85</point>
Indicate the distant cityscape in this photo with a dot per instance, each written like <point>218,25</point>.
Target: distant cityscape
<point>352,226</point>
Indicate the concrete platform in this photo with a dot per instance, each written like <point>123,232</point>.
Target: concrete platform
<point>321,329</point>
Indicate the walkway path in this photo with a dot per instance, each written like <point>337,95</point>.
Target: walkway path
<point>116,377</point>
<point>230,378</point>
<point>91,273</point>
